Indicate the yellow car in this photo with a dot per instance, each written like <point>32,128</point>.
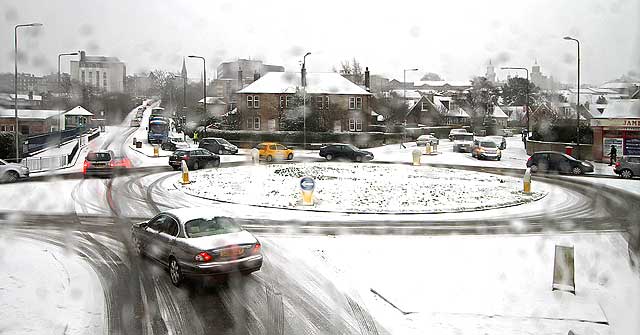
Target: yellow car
<point>272,150</point>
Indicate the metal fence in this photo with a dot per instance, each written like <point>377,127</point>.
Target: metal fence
<point>45,163</point>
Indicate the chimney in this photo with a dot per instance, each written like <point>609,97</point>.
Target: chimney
<point>256,76</point>
<point>367,82</point>
<point>239,78</point>
<point>82,56</point>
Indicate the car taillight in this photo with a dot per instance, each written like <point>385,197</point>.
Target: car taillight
<point>617,164</point>
<point>185,157</point>
<point>203,257</point>
<point>256,248</point>
<point>85,166</point>
<point>529,160</point>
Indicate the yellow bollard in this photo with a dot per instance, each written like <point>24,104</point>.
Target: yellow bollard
<point>416,157</point>
<point>527,181</point>
<point>156,150</point>
<point>307,185</point>
<point>428,149</point>
<point>185,173</point>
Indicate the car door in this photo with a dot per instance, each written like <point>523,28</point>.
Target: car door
<point>166,238</point>
<point>558,163</point>
<point>542,161</point>
<point>282,150</point>
<point>207,156</point>
<point>149,236</point>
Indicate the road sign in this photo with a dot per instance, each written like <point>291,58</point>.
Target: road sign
<point>307,184</point>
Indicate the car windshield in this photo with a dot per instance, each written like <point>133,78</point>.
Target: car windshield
<point>181,153</point>
<point>223,141</point>
<point>353,147</point>
<point>177,139</point>
<point>463,137</point>
<point>98,156</point>
<point>210,226</point>
<point>488,144</point>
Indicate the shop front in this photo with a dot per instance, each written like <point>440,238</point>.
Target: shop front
<point>624,134</point>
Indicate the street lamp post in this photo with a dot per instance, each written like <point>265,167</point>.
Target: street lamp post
<point>15,80</point>
<point>526,103</point>
<point>303,79</point>
<point>204,84</point>
<point>404,95</point>
<point>568,38</point>
<point>60,90</point>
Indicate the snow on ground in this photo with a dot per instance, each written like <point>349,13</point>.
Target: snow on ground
<point>367,188</point>
<point>45,290</point>
<point>64,149</point>
<point>479,284</point>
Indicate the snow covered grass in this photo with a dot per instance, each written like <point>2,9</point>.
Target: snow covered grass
<point>372,188</point>
<point>45,290</point>
<point>479,284</point>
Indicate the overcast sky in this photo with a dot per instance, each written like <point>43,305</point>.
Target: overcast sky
<point>453,38</point>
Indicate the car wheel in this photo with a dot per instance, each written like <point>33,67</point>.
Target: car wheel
<point>10,177</point>
<point>499,158</point>
<point>626,174</point>
<point>216,163</point>
<point>290,156</point>
<point>576,171</point>
<point>175,272</point>
<point>329,157</point>
<point>359,158</point>
<point>269,158</point>
<point>533,168</point>
<point>196,166</point>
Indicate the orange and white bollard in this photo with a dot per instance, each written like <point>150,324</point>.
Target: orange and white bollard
<point>527,181</point>
<point>156,150</point>
<point>185,173</point>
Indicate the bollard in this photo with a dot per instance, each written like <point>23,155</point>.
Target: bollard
<point>185,173</point>
<point>435,148</point>
<point>307,185</point>
<point>255,156</point>
<point>135,140</point>
<point>156,150</point>
<point>416,157</point>
<point>527,181</point>
<point>428,148</point>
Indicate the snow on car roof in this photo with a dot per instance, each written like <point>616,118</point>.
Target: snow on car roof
<point>317,83</point>
<point>191,213</point>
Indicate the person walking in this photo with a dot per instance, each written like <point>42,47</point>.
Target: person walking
<point>613,155</point>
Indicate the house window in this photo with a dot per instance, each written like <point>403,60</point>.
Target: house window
<point>326,102</point>
<point>352,102</point>
<point>256,123</point>
<point>319,102</point>
<point>98,78</point>
<point>104,80</point>
<point>256,101</point>
<point>281,101</point>
<point>287,101</point>
<point>82,75</point>
<point>358,103</point>
<point>249,101</point>
<point>355,125</point>
<point>90,77</point>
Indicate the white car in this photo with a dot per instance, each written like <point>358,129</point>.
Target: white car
<point>422,140</point>
<point>10,172</point>
<point>453,132</point>
<point>463,142</point>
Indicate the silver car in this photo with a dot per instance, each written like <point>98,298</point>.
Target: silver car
<point>10,172</point>
<point>195,242</point>
<point>422,140</point>
<point>628,167</point>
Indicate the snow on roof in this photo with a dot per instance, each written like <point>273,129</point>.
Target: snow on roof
<point>33,114</point>
<point>213,100</point>
<point>498,113</point>
<point>457,112</point>
<point>621,109</point>
<point>441,83</point>
<point>34,97</point>
<point>410,94</point>
<point>78,111</point>
<point>616,85</point>
<point>317,83</point>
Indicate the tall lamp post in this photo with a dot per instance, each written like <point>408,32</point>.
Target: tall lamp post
<point>15,80</point>
<point>204,83</point>
<point>526,103</point>
<point>404,96</point>
<point>303,79</point>
<point>60,90</point>
<point>568,38</point>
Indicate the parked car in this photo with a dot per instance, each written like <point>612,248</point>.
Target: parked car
<point>104,163</point>
<point>453,132</point>
<point>134,123</point>
<point>485,149</point>
<point>500,141</point>
<point>197,242</point>
<point>271,151</point>
<point>174,143</point>
<point>628,167</point>
<point>195,157</point>
<point>553,161</point>
<point>11,172</point>
<point>463,142</point>
<point>218,145</point>
<point>345,151</point>
<point>422,140</point>
<point>507,132</point>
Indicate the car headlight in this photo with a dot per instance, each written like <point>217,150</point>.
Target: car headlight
<point>585,164</point>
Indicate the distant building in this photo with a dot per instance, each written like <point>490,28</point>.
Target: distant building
<point>243,71</point>
<point>544,82</point>
<point>269,101</point>
<point>618,125</point>
<point>107,74</point>
<point>379,84</point>
<point>25,101</point>
<point>491,73</point>
<point>27,82</point>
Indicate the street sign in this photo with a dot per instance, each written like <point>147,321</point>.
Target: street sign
<point>307,184</point>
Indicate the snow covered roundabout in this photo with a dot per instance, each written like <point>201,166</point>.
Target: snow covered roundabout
<point>361,188</point>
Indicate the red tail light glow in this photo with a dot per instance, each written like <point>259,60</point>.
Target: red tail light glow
<point>617,164</point>
<point>185,157</point>
<point>204,257</point>
<point>85,166</point>
<point>256,248</point>
<point>529,160</point>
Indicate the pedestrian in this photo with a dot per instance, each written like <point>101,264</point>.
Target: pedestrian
<point>613,155</point>
<point>195,137</point>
